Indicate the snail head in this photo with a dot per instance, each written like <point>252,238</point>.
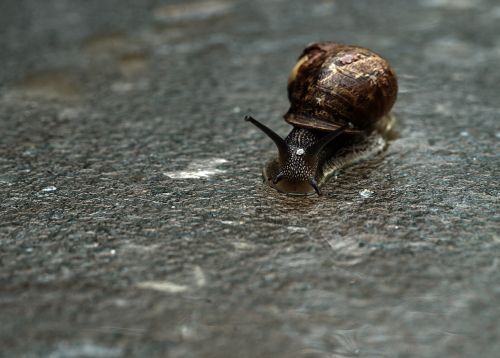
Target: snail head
<point>299,157</point>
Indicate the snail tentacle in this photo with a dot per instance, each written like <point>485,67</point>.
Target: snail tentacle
<point>278,178</point>
<point>314,184</point>
<point>319,145</point>
<point>280,142</point>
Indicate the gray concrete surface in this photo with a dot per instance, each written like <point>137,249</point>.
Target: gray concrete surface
<point>133,221</point>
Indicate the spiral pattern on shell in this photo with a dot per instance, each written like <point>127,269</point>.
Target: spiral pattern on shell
<point>333,84</point>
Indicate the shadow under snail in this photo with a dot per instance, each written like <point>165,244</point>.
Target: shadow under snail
<point>340,101</point>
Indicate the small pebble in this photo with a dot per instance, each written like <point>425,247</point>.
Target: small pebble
<point>49,189</point>
<point>365,193</point>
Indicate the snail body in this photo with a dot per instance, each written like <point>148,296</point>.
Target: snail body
<point>340,101</point>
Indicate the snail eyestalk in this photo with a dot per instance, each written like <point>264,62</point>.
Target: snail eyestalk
<point>323,142</point>
<point>280,142</point>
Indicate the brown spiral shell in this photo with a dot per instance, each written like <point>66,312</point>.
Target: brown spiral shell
<point>333,84</point>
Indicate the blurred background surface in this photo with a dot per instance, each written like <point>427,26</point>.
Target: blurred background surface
<point>133,220</point>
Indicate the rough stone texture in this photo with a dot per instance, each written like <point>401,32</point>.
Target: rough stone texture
<point>133,220</point>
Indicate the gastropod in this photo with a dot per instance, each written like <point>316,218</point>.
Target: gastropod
<point>341,98</point>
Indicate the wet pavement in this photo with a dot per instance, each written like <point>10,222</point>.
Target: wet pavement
<point>133,219</point>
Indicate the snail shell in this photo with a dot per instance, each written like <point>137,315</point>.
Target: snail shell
<point>340,101</point>
<point>334,84</point>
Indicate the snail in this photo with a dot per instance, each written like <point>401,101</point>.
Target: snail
<point>340,101</point>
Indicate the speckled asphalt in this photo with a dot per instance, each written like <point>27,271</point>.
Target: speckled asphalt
<point>133,219</point>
